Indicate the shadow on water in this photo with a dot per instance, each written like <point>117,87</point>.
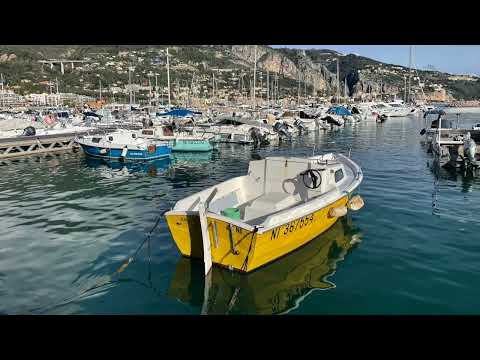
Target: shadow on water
<point>274,289</point>
<point>467,180</point>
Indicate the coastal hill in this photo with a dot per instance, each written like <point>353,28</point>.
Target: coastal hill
<point>313,72</point>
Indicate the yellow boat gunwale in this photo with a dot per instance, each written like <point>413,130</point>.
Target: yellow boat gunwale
<point>243,225</point>
<point>258,228</point>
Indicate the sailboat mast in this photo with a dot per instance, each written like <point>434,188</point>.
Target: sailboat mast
<point>130,83</point>
<point>168,80</point>
<point>274,89</point>
<point>278,90</point>
<point>149,92</point>
<point>338,80</point>
<point>381,89</point>
<point>3,94</point>
<point>298,92</point>
<point>56,97</point>
<point>242,85</point>
<point>156,91</point>
<point>268,89</point>
<point>409,72</point>
<point>254,76</point>
<point>261,86</point>
<point>305,87</point>
<point>213,86</point>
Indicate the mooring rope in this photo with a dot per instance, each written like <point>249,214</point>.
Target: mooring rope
<point>436,189</point>
<point>245,262</point>
<point>110,278</point>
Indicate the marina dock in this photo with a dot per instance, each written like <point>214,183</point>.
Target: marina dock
<point>31,145</point>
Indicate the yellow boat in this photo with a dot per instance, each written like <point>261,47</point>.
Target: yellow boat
<point>274,289</point>
<point>280,205</point>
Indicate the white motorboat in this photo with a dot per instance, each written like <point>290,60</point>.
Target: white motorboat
<point>123,145</point>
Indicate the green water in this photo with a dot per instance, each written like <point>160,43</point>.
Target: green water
<point>67,222</point>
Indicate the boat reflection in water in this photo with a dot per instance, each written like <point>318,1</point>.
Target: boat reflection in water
<point>112,168</point>
<point>193,157</point>
<point>274,289</point>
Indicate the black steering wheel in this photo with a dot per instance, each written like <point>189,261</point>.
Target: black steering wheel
<point>315,178</point>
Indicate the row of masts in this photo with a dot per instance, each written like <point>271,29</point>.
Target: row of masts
<point>272,85</point>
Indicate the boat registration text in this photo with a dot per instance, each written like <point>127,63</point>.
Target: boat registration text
<point>292,226</point>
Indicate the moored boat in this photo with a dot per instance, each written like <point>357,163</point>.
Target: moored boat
<point>123,145</point>
<point>281,204</point>
<point>180,141</point>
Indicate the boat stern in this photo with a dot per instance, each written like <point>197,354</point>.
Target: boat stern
<point>186,232</point>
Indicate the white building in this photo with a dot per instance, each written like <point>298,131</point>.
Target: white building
<point>9,98</point>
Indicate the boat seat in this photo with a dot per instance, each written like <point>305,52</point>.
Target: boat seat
<point>269,203</point>
<point>229,200</point>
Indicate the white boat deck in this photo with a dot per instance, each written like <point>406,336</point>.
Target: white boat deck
<point>275,191</point>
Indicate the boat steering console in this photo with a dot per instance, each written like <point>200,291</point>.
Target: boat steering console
<point>315,178</point>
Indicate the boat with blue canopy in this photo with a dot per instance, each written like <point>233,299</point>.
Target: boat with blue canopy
<point>339,110</point>
<point>179,113</point>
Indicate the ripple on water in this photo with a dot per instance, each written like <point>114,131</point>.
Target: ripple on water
<point>67,223</point>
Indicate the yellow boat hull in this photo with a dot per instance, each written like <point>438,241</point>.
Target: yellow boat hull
<point>245,250</point>
<point>272,289</point>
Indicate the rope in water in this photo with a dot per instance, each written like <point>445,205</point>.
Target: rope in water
<point>110,278</point>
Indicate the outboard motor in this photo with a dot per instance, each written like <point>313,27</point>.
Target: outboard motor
<point>300,126</point>
<point>304,115</point>
<point>29,131</point>
<point>381,118</point>
<point>331,120</point>
<point>469,147</point>
<point>257,137</point>
<point>91,115</point>
<point>282,130</point>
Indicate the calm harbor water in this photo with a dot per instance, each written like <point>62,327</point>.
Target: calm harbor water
<point>68,222</point>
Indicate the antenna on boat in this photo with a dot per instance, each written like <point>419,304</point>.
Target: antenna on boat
<point>349,152</point>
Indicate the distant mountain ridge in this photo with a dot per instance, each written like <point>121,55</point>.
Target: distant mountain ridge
<point>314,69</point>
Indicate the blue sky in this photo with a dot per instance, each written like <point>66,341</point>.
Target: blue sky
<point>455,59</point>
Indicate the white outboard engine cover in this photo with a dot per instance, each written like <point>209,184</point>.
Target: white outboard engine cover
<point>470,148</point>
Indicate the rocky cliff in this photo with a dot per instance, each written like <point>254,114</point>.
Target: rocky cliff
<point>293,65</point>
<point>361,85</point>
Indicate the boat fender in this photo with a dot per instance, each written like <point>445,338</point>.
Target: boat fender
<point>338,211</point>
<point>355,203</point>
<point>103,151</point>
<point>124,151</point>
